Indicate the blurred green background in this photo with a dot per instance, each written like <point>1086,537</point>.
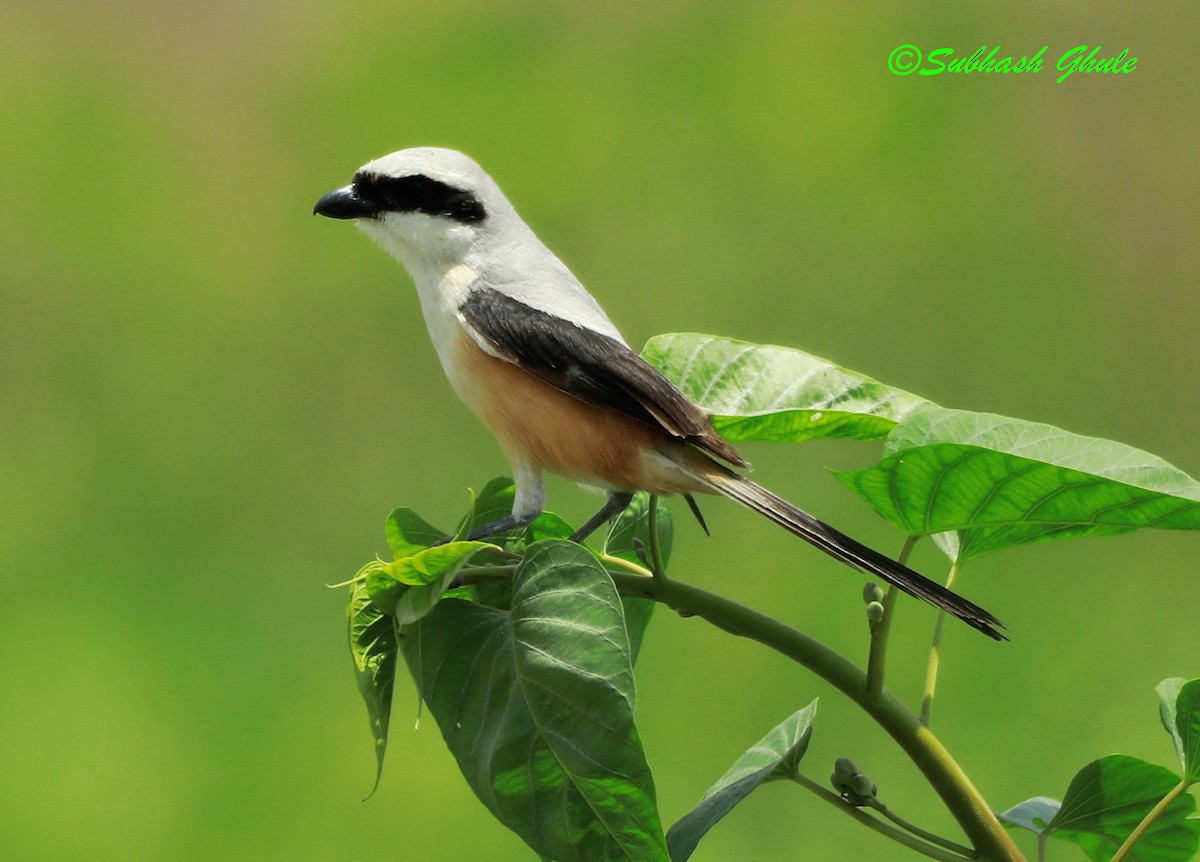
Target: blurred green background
<point>209,399</point>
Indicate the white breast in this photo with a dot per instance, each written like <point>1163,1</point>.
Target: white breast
<point>440,298</point>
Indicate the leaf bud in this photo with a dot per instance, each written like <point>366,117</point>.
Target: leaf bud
<point>874,612</point>
<point>872,592</point>
<point>863,786</point>
<point>845,768</point>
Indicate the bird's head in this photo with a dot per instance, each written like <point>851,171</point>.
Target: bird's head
<point>424,205</point>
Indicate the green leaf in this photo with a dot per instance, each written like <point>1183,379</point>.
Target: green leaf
<point>548,526</point>
<point>426,566</point>
<point>1001,482</point>
<point>1187,722</point>
<point>777,755</point>
<point>630,527</point>
<point>1168,694</point>
<point>383,590</point>
<point>1110,797</point>
<point>418,580</point>
<point>537,707</point>
<point>442,565</point>
<point>776,394</point>
<point>1180,713</point>
<point>408,533</point>
<point>373,648</point>
<point>1032,814</point>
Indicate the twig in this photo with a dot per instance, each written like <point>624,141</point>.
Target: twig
<point>935,653</point>
<point>877,657</point>
<point>879,826</point>
<point>918,831</point>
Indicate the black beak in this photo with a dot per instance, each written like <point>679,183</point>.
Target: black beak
<point>346,203</point>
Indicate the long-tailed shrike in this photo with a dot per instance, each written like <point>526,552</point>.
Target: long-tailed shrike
<point>534,356</point>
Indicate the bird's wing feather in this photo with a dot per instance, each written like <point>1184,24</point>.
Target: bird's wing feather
<point>588,365</point>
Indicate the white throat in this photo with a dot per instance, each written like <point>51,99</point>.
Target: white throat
<point>434,254</point>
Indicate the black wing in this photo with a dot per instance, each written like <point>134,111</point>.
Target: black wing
<point>591,367</point>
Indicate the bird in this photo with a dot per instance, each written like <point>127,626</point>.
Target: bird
<point>534,356</point>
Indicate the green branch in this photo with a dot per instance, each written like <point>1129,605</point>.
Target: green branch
<point>941,771</point>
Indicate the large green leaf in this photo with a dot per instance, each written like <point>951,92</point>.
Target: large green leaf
<point>1111,796</point>
<point>777,755</point>
<point>776,394</point>
<point>1001,482</point>
<point>1179,709</point>
<point>373,648</point>
<point>536,705</point>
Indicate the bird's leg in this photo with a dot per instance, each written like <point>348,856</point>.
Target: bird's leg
<point>512,522</point>
<point>617,502</point>
<point>491,528</point>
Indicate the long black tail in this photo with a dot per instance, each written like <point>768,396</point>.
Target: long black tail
<point>849,551</point>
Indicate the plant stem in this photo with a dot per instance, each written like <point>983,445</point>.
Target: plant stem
<point>935,651</point>
<point>964,802</point>
<point>1148,820</point>
<point>918,831</point>
<point>877,657</point>
<point>656,559</point>
<point>870,822</point>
